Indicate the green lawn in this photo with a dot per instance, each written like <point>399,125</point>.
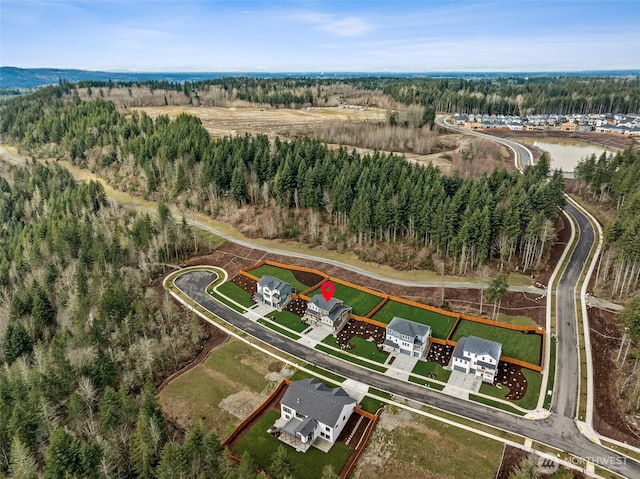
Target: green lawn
<point>515,344</point>
<point>235,292</point>
<point>261,447</point>
<point>278,329</point>
<point>290,320</point>
<point>516,320</point>
<point>426,382</point>
<point>370,405</point>
<point>299,374</point>
<point>280,273</point>
<point>225,301</point>
<point>360,302</point>
<point>530,399</point>
<point>424,368</point>
<point>363,348</point>
<point>349,358</point>
<point>440,324</point>
<point>495,404</point>
<point>551,376</point>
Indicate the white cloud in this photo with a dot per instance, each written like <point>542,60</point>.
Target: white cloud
<point>336,25</point>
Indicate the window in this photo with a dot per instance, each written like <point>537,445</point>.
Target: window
<point>286,409</point>
<point>327,428</point>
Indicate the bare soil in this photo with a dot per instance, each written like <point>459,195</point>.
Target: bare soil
<point>513,457</point>
<point>608,416</point>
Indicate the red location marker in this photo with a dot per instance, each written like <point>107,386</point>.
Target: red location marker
<point>328,290</point>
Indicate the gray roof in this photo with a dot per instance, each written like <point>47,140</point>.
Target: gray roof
<point>409,328</point>
<point>478,346</point>
<point>304,427</point>
<point>312,398</point>
<point>273,283</point>
<point>334,306</point>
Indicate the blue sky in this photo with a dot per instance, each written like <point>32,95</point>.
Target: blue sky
<point>401,35</point>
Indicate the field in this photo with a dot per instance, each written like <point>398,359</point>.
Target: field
<point>222,391</point>
<point>440,324</point>
<point>406,445</point>
<point>517,345</point>
<point>261,446</point>
<point>360,301</point>
<point>280,273</point>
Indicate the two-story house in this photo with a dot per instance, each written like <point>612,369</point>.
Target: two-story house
<point>312,413</point>
<point>333,313</point>
<point>473,355</point>
<point>407,337</point>
<point>273,291</point>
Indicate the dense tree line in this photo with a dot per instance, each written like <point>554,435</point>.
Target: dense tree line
<point>364,199</point>
<point>83,337</point>
<point>502,95</point>
<point>520,96</point>
<point>614,179</point>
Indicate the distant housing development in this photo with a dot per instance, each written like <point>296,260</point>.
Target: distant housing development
<point>406,337</point>
<point>333,313</point>
<point>312,414</point>
<point>473,355</point>
<point>273,291</point>
<point>622,124</point>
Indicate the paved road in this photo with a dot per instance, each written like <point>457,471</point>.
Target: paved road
<point>557,430</point>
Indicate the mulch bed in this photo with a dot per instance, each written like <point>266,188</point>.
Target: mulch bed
<point>440,353</point>
<point>510,376</point>
<point>361,329</point>
<point>608,417</point>
<point>310,279</point>
<point>296,306</point>
<point>248,284</point>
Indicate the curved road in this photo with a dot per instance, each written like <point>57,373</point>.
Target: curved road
<point>557,430</point>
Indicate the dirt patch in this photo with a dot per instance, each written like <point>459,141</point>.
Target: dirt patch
<point>513,457</point>
<point>241,404</point>
<point>362,330</point>
<point>608,416</point>
<point>310,279</point>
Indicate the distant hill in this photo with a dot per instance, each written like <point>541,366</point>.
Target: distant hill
<point>27,78</point>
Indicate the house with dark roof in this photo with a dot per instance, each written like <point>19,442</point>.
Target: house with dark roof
<point>273,291</point>
<point>406,337</point>
<point>312,414</point>
<point>333,313</point>
<point>479,356</point>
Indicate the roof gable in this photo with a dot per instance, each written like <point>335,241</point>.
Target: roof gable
<point>313,399</point>
<point>408,328</point>
<point>273,283</point>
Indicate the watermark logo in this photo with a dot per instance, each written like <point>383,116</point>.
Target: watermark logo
<point>546,465</point>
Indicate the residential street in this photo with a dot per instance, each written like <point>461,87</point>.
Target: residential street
<point>557,430</point>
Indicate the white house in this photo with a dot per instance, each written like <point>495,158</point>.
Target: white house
<point>333,313</point>
<point>312,414</point>
<point>273,291</point>
<point>477,356</point>
<point>407,337</point>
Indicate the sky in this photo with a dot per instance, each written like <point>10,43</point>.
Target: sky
<point>317,36</point>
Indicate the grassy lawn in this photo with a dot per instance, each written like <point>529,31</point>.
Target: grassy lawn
<point>235,292</point>
<point>379,393</point>
<point>526,347</point>
<point>530,399</point>
<point>440,324</point>
<point>290,320</point>
<point>225,301</point>
<point>280,273</point>
<point>351,359</point>
<point>516,320</point>
<point>196,395</point>
<point>360,302</point>
<point>261,447</point>
<point>363,348</point>
<point>370,405</point>
<point>424,368</point>
<point>551,376</point>
<point>299,374</point>
<point>208,239</point>
<point>278,329</point>
<point>495,404</point>
<point>426,382</point>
